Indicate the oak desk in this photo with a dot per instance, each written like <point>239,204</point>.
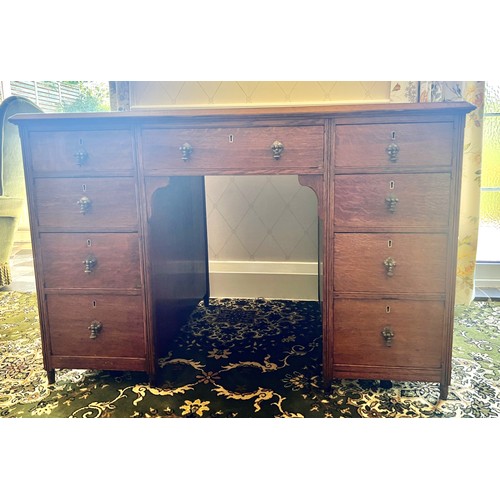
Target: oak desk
<point>117,213</point>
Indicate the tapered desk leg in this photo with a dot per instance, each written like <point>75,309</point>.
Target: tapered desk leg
<point>443,391</point>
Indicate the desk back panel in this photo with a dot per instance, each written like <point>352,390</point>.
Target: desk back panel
<point>177,254</point>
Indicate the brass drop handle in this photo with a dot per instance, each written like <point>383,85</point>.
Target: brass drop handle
<point>391,202</point>
<point>95,329</point>
<point>90,262</point>
<point>81,157</point>
<point>392,150</point>
<point>277,148</point>
<point>85,204</point>
<point>186,149</point>
<point>389,264</point>
<point>388,334</point>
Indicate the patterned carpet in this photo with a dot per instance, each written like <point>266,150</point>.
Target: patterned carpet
<point>243,358</point>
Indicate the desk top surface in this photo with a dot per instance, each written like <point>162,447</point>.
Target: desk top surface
<point>312,111</point>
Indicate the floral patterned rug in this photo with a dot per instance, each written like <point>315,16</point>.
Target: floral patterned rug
<point>243,358</point>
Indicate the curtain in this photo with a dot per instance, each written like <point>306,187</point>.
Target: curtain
<point>119,96</point>
<point>471,189</point>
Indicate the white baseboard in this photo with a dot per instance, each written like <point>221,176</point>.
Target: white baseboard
<point>487,275</point>
<point>22,236</point>
<point>270,280</point>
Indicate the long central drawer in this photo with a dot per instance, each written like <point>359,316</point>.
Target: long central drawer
<point>271,148</point>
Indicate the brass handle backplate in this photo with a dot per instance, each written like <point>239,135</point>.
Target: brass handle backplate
<point>186,149</point>
<point>392,150</point>
<point>389,264</point>
<point>388,334</point>
<point>85,204</point>
<point>90,262</point>
<point>81,157</point>
<point>95,329</point>
<point>391,202</point>
<point>277,148</point>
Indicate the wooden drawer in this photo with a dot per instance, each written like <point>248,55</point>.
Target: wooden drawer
<point>230,148</point>
<point>416,327</point>
<point>392,200</point>
<point>90,260</point>
<point>414,144</point>
<point>121,333</point>
<point>86,203</point>
<point>420,263</point>
<point>82,152</point>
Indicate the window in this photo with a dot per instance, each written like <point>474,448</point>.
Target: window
<point>488,251</point>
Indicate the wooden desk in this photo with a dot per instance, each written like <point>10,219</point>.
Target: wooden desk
<point>118,225</point>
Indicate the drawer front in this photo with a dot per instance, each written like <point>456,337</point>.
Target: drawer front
<point>121,319</point>
<point>230,148</point>
<point>390,263</point>
<point>394,145</point>
<point>90,260</point>
<point>392,200</point>
<point>82,152</point>
<point>392,333</point>
<point>86,203</point>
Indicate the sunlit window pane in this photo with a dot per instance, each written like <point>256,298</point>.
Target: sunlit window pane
<point>488,249</point>
<point>492,97</point>
<point>490,208</point>
<point>490,175</point>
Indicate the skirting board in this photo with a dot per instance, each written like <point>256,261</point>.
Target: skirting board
<point>487,275</point>
<point>270,280</point>
<point>22,236</point>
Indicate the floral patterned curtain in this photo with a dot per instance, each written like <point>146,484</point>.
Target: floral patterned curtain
<point>471,188</point>
<point>119,96</point>
<point>472,92</point>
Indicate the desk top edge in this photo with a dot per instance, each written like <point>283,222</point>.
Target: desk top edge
<point>315,111</point>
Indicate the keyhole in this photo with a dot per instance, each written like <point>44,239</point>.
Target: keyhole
<point>392,185</point>
<point>89,243</point>
<point>387,309</point>
<point>84,187</point>
<point>389,243</point>
<point>231,138</point>
<point>393,135</point>
<point>94,304</point>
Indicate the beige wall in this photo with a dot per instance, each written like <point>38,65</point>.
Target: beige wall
<point>160,94</point>
<point>262,230</point>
